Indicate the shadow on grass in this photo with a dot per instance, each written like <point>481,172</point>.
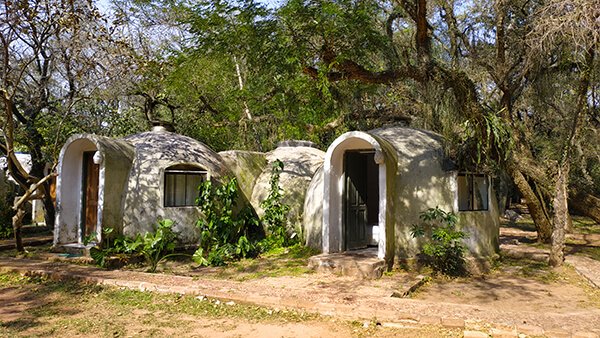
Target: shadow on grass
<point>20,324</point>
<point>589,251</point>
<point>26,301</point>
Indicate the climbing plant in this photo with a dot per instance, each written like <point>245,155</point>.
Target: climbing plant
<point>275,217</point>
<point>224,234</point>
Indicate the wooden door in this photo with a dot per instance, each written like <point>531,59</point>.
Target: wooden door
<point>91,174</point>
<point>355,216</point>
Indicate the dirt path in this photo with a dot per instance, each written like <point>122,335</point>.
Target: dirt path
<point>564,303</point>
<point>44,308</point>
<point>513,244</point>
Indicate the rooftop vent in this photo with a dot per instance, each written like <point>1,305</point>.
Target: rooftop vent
<point>162,126</point>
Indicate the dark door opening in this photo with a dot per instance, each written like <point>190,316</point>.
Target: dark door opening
<point>89,199</point>
<point>361,198</point>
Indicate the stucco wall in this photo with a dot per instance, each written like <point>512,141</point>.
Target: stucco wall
<point>482,228</point>
<point>416,177</point>
<point>420,182</point>
<point>68,189</point>
<point>144,204</point>
<point>312,219</point>
<point>117,158</point>
<point>299,165</point>
<point>247,167</point>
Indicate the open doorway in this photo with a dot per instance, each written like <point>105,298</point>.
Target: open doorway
<point>361,199</point>
<point>354,194</point>
<point>89,196</point>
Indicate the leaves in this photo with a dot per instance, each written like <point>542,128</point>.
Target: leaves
<point>154,246</point>
<point>223,233</point>
<point>444,251</point>
<point>275,213</point>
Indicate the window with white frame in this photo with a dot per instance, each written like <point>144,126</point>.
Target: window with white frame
<point>181,185</point>
<point>472,192</point>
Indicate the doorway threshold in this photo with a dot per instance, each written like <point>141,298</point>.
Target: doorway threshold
<point>362,263</point>
<point>74,249</point>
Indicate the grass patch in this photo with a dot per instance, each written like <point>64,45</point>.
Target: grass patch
<point>524,223</point>
<point>527,268</point>
<point>586,251</point>
<point>290,261</point>
<point>123,301</point>
<point>585,225</point>
<point>33,252</point>
<point>12,279</point>
<point>47,308</point>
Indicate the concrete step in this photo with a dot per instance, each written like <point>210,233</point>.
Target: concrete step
<point>362,264</point>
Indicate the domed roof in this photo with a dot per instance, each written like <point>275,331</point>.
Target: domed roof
<point>411,147</point>
<point>300,164</point>
<point>172,148</point>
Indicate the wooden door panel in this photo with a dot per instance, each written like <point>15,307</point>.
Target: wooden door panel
<point>91,179</point>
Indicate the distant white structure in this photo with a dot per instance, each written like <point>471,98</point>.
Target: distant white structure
<point>37,206</point>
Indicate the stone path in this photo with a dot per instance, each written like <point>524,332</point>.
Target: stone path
<point>356,301</point>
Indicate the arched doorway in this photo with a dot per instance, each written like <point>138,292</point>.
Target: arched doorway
<point>354,203</point>
<point>79,192</point>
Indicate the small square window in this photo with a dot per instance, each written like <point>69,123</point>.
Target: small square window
<point>181,185</point>
<point>472,192</point>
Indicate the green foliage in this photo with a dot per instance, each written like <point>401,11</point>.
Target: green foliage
<point>111,245</point>
<point>91,238</point>
<point>444,252</point>
<point>484,141</point>
<point>224,234</point>
<point>154,246</point>
<point>6,213</point>
<point>275,216</point>
<point>7,195</point>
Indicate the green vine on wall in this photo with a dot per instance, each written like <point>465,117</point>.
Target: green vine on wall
<point>275,218</point>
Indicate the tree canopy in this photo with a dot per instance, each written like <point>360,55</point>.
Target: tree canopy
<point>511,84</point>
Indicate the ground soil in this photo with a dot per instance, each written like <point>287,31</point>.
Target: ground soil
<point>515,292</point>
<point>32,310</point>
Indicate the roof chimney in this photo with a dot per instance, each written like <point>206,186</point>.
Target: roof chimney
<point>162,126</point>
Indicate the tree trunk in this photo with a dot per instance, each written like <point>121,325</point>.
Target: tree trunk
<point>569,225</point>
<point>587,205</point>
<point>49,209</point>
<point>17,222</point>
<point>542,223</point>
<point>561,215</point>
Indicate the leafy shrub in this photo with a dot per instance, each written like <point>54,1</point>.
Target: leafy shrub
<point>224,235</point>
<point>91,238</point>
<point>445,251</point>
<point>154,246</point>
<point>275,217</point>
<point>6,214</point>
<point>111,246</point>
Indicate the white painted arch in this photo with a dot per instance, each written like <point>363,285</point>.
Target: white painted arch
<point>69,189</point>
<point>334,178</point>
